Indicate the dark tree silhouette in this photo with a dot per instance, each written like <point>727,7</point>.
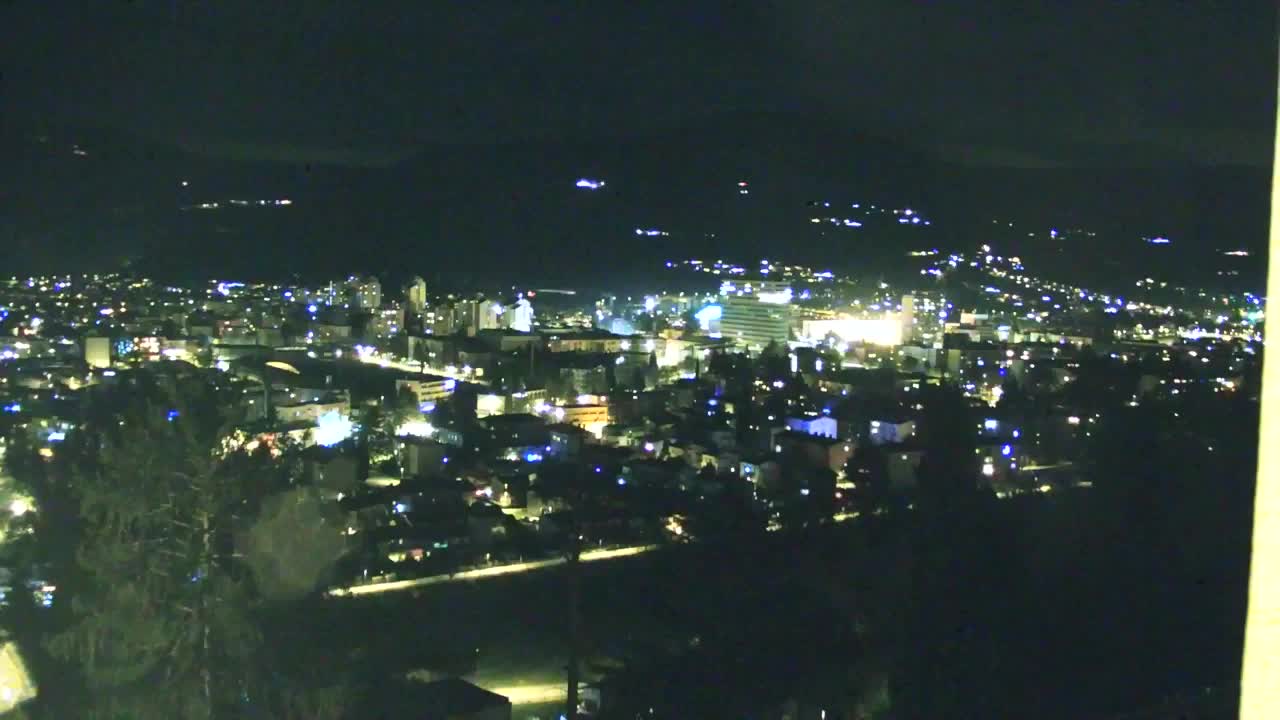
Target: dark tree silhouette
<point>152,505</point>
<point>868,470</point>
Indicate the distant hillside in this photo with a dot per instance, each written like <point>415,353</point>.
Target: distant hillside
<point>78,199</point>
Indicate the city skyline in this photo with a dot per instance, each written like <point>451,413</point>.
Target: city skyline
<point>617,361</point>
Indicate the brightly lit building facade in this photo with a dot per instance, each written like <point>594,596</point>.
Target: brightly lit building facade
<point>590,417</point>
<point>520,315</point>
<point>756,314</point>
<point>884,330</point>
<point>97,352</point>
<point>428,390</point>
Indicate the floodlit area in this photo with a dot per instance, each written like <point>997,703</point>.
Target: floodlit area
<point>16,684</point>
<point>536,694</point>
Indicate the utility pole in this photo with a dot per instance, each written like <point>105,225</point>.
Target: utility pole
<point>573,566</point>
<point>571,696</point>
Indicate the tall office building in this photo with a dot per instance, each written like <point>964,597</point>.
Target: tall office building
<point>757,315</point>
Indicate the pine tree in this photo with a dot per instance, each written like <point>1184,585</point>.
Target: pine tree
<point>162,623</point>
<point>173,526</point>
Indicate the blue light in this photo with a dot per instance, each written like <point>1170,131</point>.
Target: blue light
<point>598,468</point>
<point>450,384</point>
<point>312,308</point>
<point>14,408</point>
<point>1006,450</point>
<point>427,407</point>
<point>707,315</point>
<point>172,415</point>
<point>332,428</point>
<point>713,402</point>
<point>57,436</point>
<point>532,457</point>
<point>826,411</point>
<point>622,481</point>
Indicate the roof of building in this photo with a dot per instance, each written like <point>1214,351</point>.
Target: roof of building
<point>863,376</point>
<point>510,419</point>
<point>893,417</point>
<point>584,334</point>
<point>793,436</point>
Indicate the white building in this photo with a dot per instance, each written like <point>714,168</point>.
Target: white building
<point>821,425</point>
<point>520,316</point>
<point>890,432</point>
<point>886,330</point>
<point>428,390</point>
<point>756,316</point>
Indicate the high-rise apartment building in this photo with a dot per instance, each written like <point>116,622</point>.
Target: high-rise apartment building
<point>415,293</point>
<point>364,293</point>
<point>923,316</point>
<point>479,313</point>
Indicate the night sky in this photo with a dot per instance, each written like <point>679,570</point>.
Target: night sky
<point>369,82</point>
<point>367,86</point>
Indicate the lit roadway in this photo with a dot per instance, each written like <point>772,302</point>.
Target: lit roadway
<point>418,368</point>
<point>486,572</point>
